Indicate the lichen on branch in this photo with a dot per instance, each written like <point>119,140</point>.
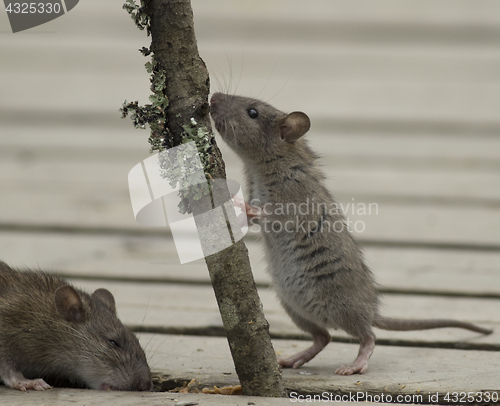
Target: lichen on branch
<point>138,14</point>
<point>154,115</point>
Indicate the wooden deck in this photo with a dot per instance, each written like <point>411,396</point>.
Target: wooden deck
<point>404,99</point>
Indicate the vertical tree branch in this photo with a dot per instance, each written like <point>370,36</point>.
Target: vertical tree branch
<point>187,88</point>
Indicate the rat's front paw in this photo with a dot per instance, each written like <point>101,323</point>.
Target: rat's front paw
<point>239,202</point>
<point>251,212</point>
<point>15,379</point>
<point>34,384</point>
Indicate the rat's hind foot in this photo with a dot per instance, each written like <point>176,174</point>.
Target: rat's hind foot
<point>299,359</point>
<point>360,364</point>
<point>16,380</point>
<point>320,340</point>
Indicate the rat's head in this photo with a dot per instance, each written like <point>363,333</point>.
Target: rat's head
<point>255,129</point>
<point>105,354</point>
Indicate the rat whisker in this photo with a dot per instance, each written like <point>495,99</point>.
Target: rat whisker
<point>268,79</point>
<point>280,89</point>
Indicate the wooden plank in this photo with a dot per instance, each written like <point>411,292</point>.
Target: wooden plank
<point>374,101</point>
<point>429,223</point>
<point>443,188</point>
<point>100,198</point>
<point>420,153</point>
<point>214,45</point>
<point>308,83</point>
<point>101,205</point>
<point>95,138</point>
<point>83,397</point>
<point>357,97</point>
<point>406,97</point>
<point>393,371</point>
<point>319,97</point>
<point>154,258</point>
<point>404,185</point>
<point>90,203</point>
<point>338,150</point>
<point>182,308</point>
<point>389,101</point>
<point>452,271</point>
<point>355,176</point>
<point>477,24</point>
<point>396,371</point>
<point>359,172</point>
<point>409,175</point>
<point>447,11</point>
<point>97,256</point>
<point>332,62</point>
<point>348,162</point>
<point>335,65</point>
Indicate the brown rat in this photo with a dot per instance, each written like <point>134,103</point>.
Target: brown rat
<point>52,333</point>
<point>317,267</point>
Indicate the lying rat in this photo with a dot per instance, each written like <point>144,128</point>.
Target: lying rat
<point>316,265</point>
<point>52,332</point>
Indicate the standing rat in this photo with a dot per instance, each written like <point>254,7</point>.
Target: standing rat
<point>51,332</point>
<point>316,265</point>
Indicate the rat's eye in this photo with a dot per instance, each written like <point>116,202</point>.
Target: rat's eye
<point>252,113</point>
<point>114,343</point>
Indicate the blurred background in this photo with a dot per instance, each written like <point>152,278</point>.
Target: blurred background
<point>404,98</point>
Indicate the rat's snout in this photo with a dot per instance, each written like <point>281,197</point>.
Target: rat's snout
<point>215,99</point>
<point>143,385</point>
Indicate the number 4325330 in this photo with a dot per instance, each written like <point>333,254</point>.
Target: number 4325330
<point>33,8</point>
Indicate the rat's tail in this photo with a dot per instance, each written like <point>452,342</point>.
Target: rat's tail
<point>386,323</point>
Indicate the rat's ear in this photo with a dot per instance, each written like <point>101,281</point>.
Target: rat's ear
<point>106,297</point>
<point>294,125</point>
<point>68,304</point>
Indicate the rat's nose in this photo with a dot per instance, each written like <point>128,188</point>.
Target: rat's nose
<point>215,97</point>
<point>141,384</point>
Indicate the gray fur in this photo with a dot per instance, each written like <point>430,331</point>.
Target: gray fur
<point>318,271</point>
<point>50,331</point>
